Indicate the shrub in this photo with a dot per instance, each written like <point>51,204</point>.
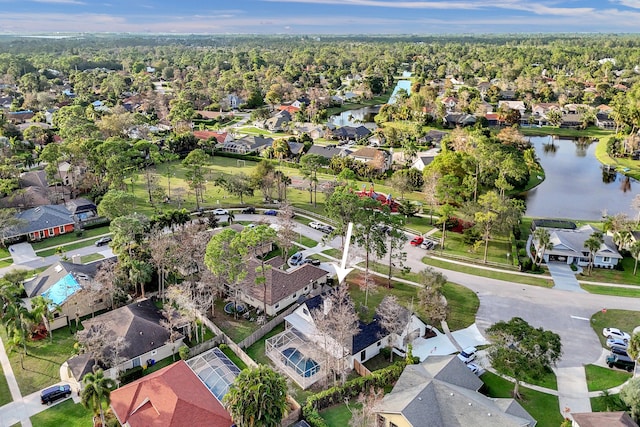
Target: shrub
<point>131,375</point>
<point>470,236</point>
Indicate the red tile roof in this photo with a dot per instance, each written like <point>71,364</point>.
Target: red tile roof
<point>206,134</point>
<point>171,397</point>
<point>289,108</point>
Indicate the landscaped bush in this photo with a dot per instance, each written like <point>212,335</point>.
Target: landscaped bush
<point>350,390</point>
<point>471,236</point>
<point>131,375</point>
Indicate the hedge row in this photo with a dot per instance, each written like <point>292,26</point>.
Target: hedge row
<point>350,390</point>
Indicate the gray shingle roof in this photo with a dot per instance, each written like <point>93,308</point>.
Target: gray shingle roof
<point>41,218</point>
<point>574,241</point>
<point>56,272</point>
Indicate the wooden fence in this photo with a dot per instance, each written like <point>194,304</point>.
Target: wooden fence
<point>361,369</point>
<point>267,327</point>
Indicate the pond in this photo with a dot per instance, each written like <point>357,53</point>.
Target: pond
<point>358,117</point>
<point>577,185</point>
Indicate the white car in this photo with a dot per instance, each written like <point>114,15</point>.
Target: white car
<point>476,369</point>
<point>616,333</point>
<point>220,211</point>
<point>617,342</point>
<point>468,354</point>
<point>316,225</point>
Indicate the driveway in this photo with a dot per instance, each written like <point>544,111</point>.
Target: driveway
<point>563,277</point>
<point>22,253</point>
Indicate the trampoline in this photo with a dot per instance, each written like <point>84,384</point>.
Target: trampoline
<point>230,308</point>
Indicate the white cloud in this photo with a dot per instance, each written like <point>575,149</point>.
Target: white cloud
<point>76,2</point>
<point>635,4</point>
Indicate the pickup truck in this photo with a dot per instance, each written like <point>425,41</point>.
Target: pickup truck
<point>622,362</point>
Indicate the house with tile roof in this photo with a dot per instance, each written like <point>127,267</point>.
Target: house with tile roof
<point>247,144</point>
<point>139,325</point>
<point>380,159</point>
<point>284,287</point>
<point>568,247</point>
<point>442,391</point>
<point>42,222</point>
<point>598,419</point>
<point>173,396</point>
<point>219,137</point>
<point>72,290</point>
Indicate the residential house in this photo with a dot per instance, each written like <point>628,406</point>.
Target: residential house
<point>433,137</point>
<point>604,121</point>
<point>541,109</point>
<point>279,122</point>
<point>294,349</point>
<point>139,325</point>
<point>512,105</point>
<point>284,287</point>
<point>290,109</point>
<point>5,102</point>
<point>353,133</point>
<point>571,120</point>
<point>69,173</point>
<point>458,119</point>
<point>442,391</point>
<point>42,222</point>
<point>17,117</point>
<point>295,148</point>
<point>217,136</point>
<point>599,419</point>
<point>328,151</point>
<point>34,192</point>
<point>568,247</point>
<point>174,396</point>
<point>508,94</point>
<point>449,103</point>
<point>425,158</point>
<point>379,159</point>
<point>72,290</point>
<point>247,144</point>
<point>232,102</point>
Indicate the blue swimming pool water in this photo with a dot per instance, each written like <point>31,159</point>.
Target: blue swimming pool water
<point>305,367</point>
<point>62,289</point>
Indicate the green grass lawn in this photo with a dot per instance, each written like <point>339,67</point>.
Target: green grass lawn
<point>69,238</point>
<point>236,329</point>
<point>600,378</point>
<point>463,305</point>
<point>257,350</point>
<point>336,416</point>
<point>625,320</point>
<point>619,163</point>
<point>611,290</point>
<point>591,131</point>
<point>66,414</point>
<point>5,394</point>
<point>234,358</point>
<point>67,249</point>
<point>499,246</point>
<point>541,406</point>
<point>624,277</point>
<point>42,365</point>
<point>499,275</point>
<point>609,403</point>
<point>336,253</point>
<point>6,263</point>
<point>90,258</point>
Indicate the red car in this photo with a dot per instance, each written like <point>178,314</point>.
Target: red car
<point>417,241</point>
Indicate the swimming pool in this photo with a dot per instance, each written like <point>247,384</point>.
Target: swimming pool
<point>305,367</point>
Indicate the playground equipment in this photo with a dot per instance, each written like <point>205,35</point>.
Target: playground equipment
<point>384,199</point>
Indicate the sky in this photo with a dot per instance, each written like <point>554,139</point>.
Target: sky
<point>320,16</point>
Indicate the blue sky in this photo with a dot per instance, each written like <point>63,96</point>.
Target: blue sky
<point>320,16</point>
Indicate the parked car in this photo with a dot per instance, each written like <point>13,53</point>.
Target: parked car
<point>621,351</point>
<point>249,210</point>
<point>427,244</point>
<point>468,354</point>
<point>52,394</point>
<point>103,241</point>
<point>316,225</point>
<point>622,362</point>
<point>296,259</point>
<point>616,342</point>
<point>271,212</point>
<point>383,228</point>
<point>417,241</point>
<point>327,229</point>
<point>476,369</point>
<point>220,211</point>
<point>616,333</point>
<point>311,261</point>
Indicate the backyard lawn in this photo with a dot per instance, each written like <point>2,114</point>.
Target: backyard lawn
<point>541,406</point>
<point>42,364</point>
<point>236,329</point>
<point>625,320</point>
<point>257,350</point>
<point>336,416</point>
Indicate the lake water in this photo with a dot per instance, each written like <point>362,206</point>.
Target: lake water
<point>576,184</point>
<point>358,117</point>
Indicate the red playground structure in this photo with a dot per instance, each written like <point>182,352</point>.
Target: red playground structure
<point>384,199</point>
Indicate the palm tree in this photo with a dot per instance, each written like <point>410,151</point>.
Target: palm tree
<point>593,244</point>
<point>96,392</point>
<point>543,237</point>
<point>40,311</point>
<point>635,253</point>
<point>622,239</point>
<point>258,397</point>
<point>634,347</point>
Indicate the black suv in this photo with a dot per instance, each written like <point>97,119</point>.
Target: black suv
<point>249,210</point>
<point>52,394</point>
<point>622,362</point>
<point>103,241</point>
